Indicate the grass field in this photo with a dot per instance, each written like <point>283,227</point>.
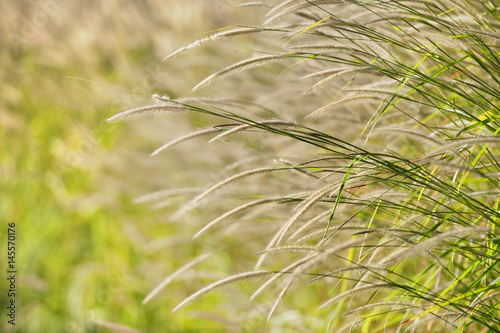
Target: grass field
<point>336,163</point>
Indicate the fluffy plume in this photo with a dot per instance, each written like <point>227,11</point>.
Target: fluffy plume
<point>394,306</point>
<point>238,31</point>
<point>464,142</point>
<point>356,290</point>
<point>276,123</point>
<point>343,74</point>
<point>341,102</point>
<point>238,210</point>
<point>432,242</point>
<point>238,67</point>
<point>186,137</point>
<point>165,193</point>
<point>225,182</point>
<point>213,286</point>
<point>149,110</point>
<point>174,275</point>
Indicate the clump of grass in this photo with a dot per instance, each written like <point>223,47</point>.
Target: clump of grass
<point>380,214</point>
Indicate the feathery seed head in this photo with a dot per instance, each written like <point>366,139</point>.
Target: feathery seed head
<point>149,110</point>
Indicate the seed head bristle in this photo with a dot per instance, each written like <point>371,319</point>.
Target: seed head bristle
<point>275,123</point>
<point>186,137</point>
<point>464,142</point>
<point>238,67</point>
<point>432,242</point>
<point>412,133</point>
<point>165,193</point>
<point>149,110</point>
<point>238,31</point>
<point>230,180</point>
<point>279,299</point>
<point>276,276</point>
<point>319,112</point>
<point>238,210</point>
<point>288,7</point>
<point>342,75</point>
<point>220,283</point>
<point>354,291</point>
<point>174,275</point>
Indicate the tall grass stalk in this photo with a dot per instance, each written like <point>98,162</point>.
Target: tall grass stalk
<point>387,217</point>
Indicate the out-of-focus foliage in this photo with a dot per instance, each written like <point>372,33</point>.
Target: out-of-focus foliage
<point>86,256</point>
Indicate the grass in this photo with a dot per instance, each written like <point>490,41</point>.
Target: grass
<point>377,203</point>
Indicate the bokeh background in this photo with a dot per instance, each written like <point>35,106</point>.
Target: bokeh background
<point>86,254</point>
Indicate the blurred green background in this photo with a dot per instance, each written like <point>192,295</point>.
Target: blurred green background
<point>86,256</point>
